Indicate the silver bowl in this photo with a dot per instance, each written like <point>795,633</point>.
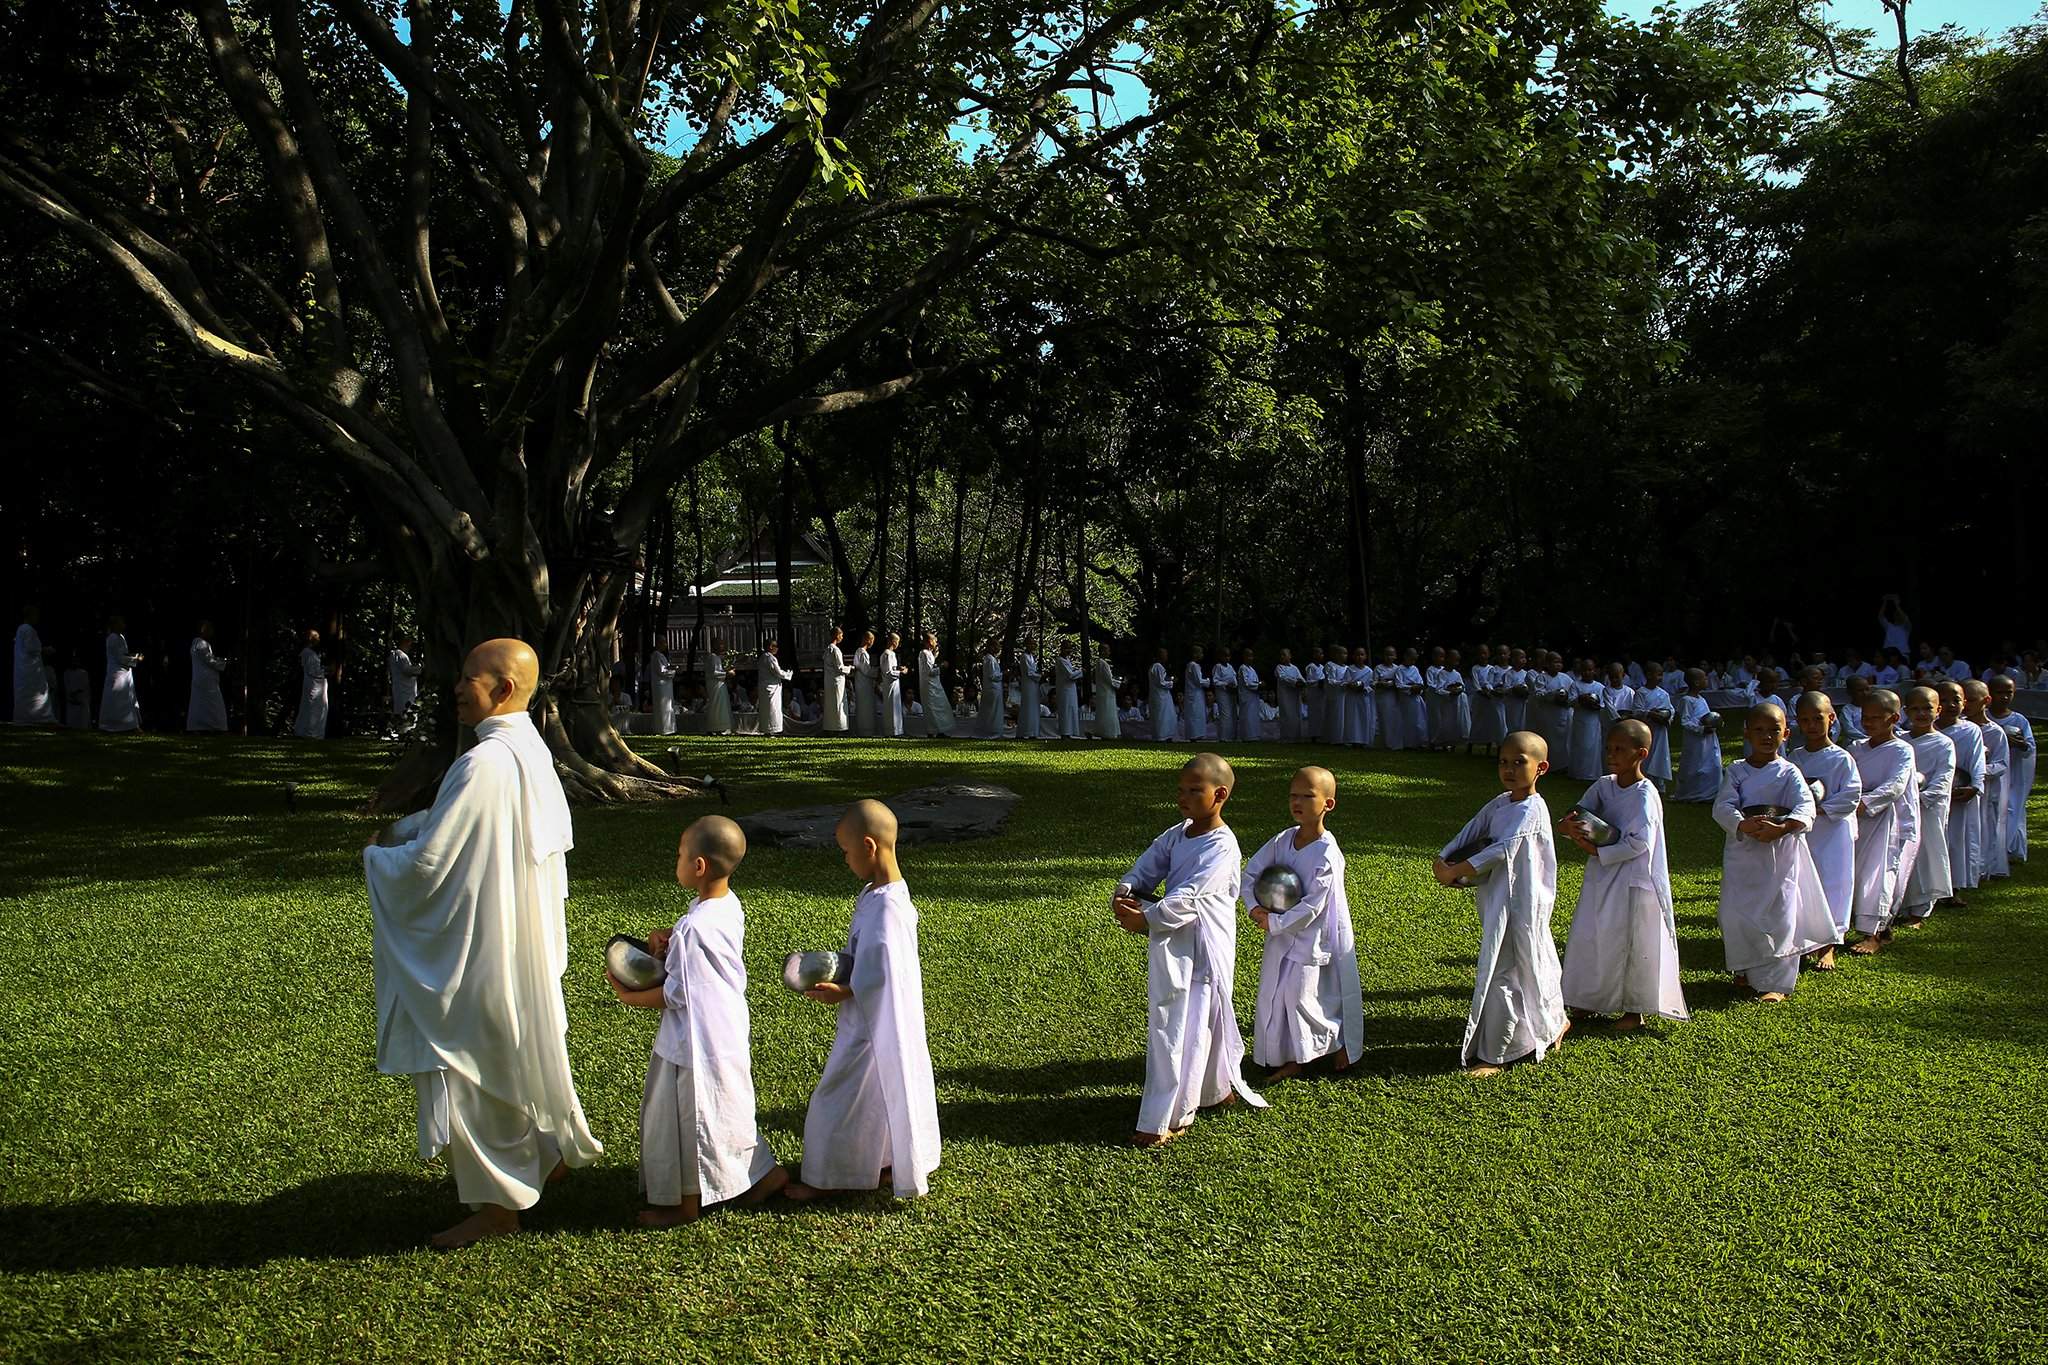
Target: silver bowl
<point>1279,888</point>
<point>1711,721</point>
<point>801,971</point>
<point>1462,854</point>
<point>1598,831</point>
<point>1767,812</point>
<point>632,965</point>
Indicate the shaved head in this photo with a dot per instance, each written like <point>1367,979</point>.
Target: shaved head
<point>1773,708</point>
<point>718,841</point>
<point>508,660</point>
<point>1884,699</point>
<point>1815,701</point>
<point>1528,742</point>
<point>1322,779</point>
<point>869,819</point>
<point>1212,769</point>
<point>1637,732</point>
<point>1975,688</point>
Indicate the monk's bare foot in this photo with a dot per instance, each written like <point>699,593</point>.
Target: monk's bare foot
<point>559,1174</point>
<point>1224,1103</point>
<point>1484,1069</point>
<point>1771,998</point>
<point>1282,1072</point>
<point>671,1215</point>
<point>1340,1060</point>
<point>800,1192</point>
<point>1563,1031</point>
<point>767,1187</point>
<point>1628,1023</point>
<point>1149,1140</point>
<point>1578,1014</point>
<point>1866,947</point>
<point>1912,921</point>
<point>489,1221</point>
<point>1825,961</point>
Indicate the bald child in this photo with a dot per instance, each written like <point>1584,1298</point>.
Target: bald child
<point>874,1118</point>
<point>1310,1007</point>
<point>700,1144</point>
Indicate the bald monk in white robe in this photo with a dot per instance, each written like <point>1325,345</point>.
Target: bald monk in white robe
<point>1926,879</point>
<point>1773,909</point>
<point>1310,1006</point>
<point>32,704</point>
<point>2019,777</point>
<point>312,719</point>
<point>1890,795</point>
<point>875,1112</point>
<point>770,677</point>
<point>120,710</point>
<point>469,948</point>
<point>205,709</point>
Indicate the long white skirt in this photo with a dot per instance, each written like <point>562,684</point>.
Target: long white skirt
<point>1621,956</point>
<point>673,1159</point>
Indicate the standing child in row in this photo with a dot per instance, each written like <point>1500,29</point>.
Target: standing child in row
<point>1699,762</point>
<point>1309,1005</point>
<point>1966,814</point>
<point>1773,911</point>
<point>1886,820</point>
<point>875,1113</point>
<point>1655,709</point>
<point>1934,758</point>
<point>1832,840</point>
<point>1194,1054</point>
<point>1517,1010</point>
<point>2019,785</point>
<point>1997,763</point>
<point>700,1143</point>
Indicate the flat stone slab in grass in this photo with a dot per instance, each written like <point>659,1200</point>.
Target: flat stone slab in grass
<point>942,814</point>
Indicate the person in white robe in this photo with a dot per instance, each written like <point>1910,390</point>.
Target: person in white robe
<point>1223,682</point>
<point>1506,853</point>
<point>1434,698</point>
<point>1838,783</point>
<point>769,679</point>
<point>1773,910</point>
<point>1997,766</point>
<point>717,696</point>
<point>1414,699</point>
<point>1515,693</point>
<point>1194,699</point>
<point>32,705</point>
<point>865,684</point>
<point>1030,707</point>
<point>206,711</point>
<point>1483,690</point>
<point>1617,701</point>
<point>469,943</point>
<point>2019,777</point>
<point>1890,793</point>
<point>312,718</point>
<point>875,1110</point>
<point>1851,714</point>
<point>1929,880</point>
<point>1621,957</point>
<point>404,676</point>
<point>834,719</point>
<point>990,718</point>
<point>120,709</point>
<point>1067,679</point>
<point>1966,816</point>
<point>1654,707</point>
<point>1313,674</point>
<point>889,684</point>
<point>700,1141</point>
<point>661,687</point>
<point>1287,685</point>
<point>1250,711</point>
<point>1181,895</point>
<point>931,690</point>
<point>1108,725</point>
<point>1310,1006</point>
<point>77,696</point>
<point>1588,738</point>
<point>1159,708</point>
<point>1699,762</point>
<point>1390,710</point>
<point>1548,706</point>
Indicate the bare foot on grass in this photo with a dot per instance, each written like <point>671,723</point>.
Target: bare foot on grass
<point>672,1215</point>
<point>489,1221</point>
<point>1628,1023</point>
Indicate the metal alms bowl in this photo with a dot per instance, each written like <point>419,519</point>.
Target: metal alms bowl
<point>632,965</point>
<point>1279,888</point>
<point>1464,854</point>
<point>1599,831</point>
<point>801,971</point>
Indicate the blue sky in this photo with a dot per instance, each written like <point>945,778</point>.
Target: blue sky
<point>1979,16</point>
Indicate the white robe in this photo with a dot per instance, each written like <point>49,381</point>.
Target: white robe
<point>1194,703</point>
<point>119,708</point>
<point>1414,704</point>
<point>864,683</point>
<point>1483,684</point>
<point>312,721</point>
<point>661,688</point>
<point>77,698</point>
<point>1587,747</point>
<point>405,681</point>
<point>1832,840</point>
<point>32,680</point>
<point>1194,1054</point>
<point>1930,878</point>
<point>1159,708</point>
<point>1622,954</point>
<point>876,1105</point>
<point>1028,689</point>
<point>1347,704</point>
<point>1517,1005</point>
<point>931,690</point>
<point>1107,725</point>
<point>1223,679</point>
<point>1515,708</point>
<point>205,709</point>
<point>889,701</point>
<point>1450,709</point>
<point>988,716</point>
<point>1997,773</point>
<point>1966,821</point>
<point>1067,674</point>
<point>1890,787</point>
<point>469,944</point>
<point>1654,708</point>
<point>1309,997</point>
<point>1549,714</point>
<point>1312,702</point>
<point>769,678</point>
<point>717,699</point>
<point>1287,685</point>
<point>1250,712</point>
<point>1773,910</point>
<point>698,1131</point>
<point>836,670</point>
<point>1699,762</point>
<point>2019,785</point>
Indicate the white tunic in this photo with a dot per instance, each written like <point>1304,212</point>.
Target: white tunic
<point>312,721</point>
<point>889,699</point>
<point>1414,704</point>
<point>1194,703</point>
<point>1997,769</point>
<point>469,946</point>
<point>834,719</point>
<point>661,680</point>
<point>1517,993</point>
<point>1514,684</point>
<point>32,680</point>
<point>1929,878</point>
<point>1966,821</point>
<point>717,699</point>
<point>876,1106</point>
<point>931,690</point>
<point>1587,746</point>
<point>1250,716</point>
<point>1349,710</point>
<point>1028,704</point>
<point>1483,685</point>
<point>119,709</point>
<point>1159,707</point>
<point>1832,840</point>
<point>1106,723</point>
<point>205,709</point>
<point>2019,784</point>
<point>705,1036</point>
<point>988,718</point>
<point>1312,702</point>
<point>1622,954</point>
<point>1699,763</point>
<point>1654,708</point>
<point>405,681</point>
<point>1773,909</point>
<point>1194,1054</point>
<point>769,677</point>
<point>1889,788</point>
<point>864,686</point>
<point>1067,674</point>
<point>1309,997</point>
<point>1223,679</point>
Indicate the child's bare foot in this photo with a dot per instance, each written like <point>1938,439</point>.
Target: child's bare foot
<point>767,1187</point>
<point>491,1220</point>
<point>1484,1069</point>
<point>1282,1072</point>
<point>800,1192</point>
<point>1562,1032</point>
<point>1952,903</point>
<point>1149,1140</point>
<point>1628,1023</point>
<point>672,1215</point>
<point>1771,998</point>
<point>1825,961</point>
<point>1867,946</point>
<point>1340,1060</point>
<point>559,1174</point>
<point>1229,1098</point>
<point>1912,921</point>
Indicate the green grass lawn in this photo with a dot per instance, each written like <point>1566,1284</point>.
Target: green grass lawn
<point>199,1158</point>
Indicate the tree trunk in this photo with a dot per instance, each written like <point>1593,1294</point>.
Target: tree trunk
<point>853,612</point>
<point>785,540</point>
<point>953,570</point>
